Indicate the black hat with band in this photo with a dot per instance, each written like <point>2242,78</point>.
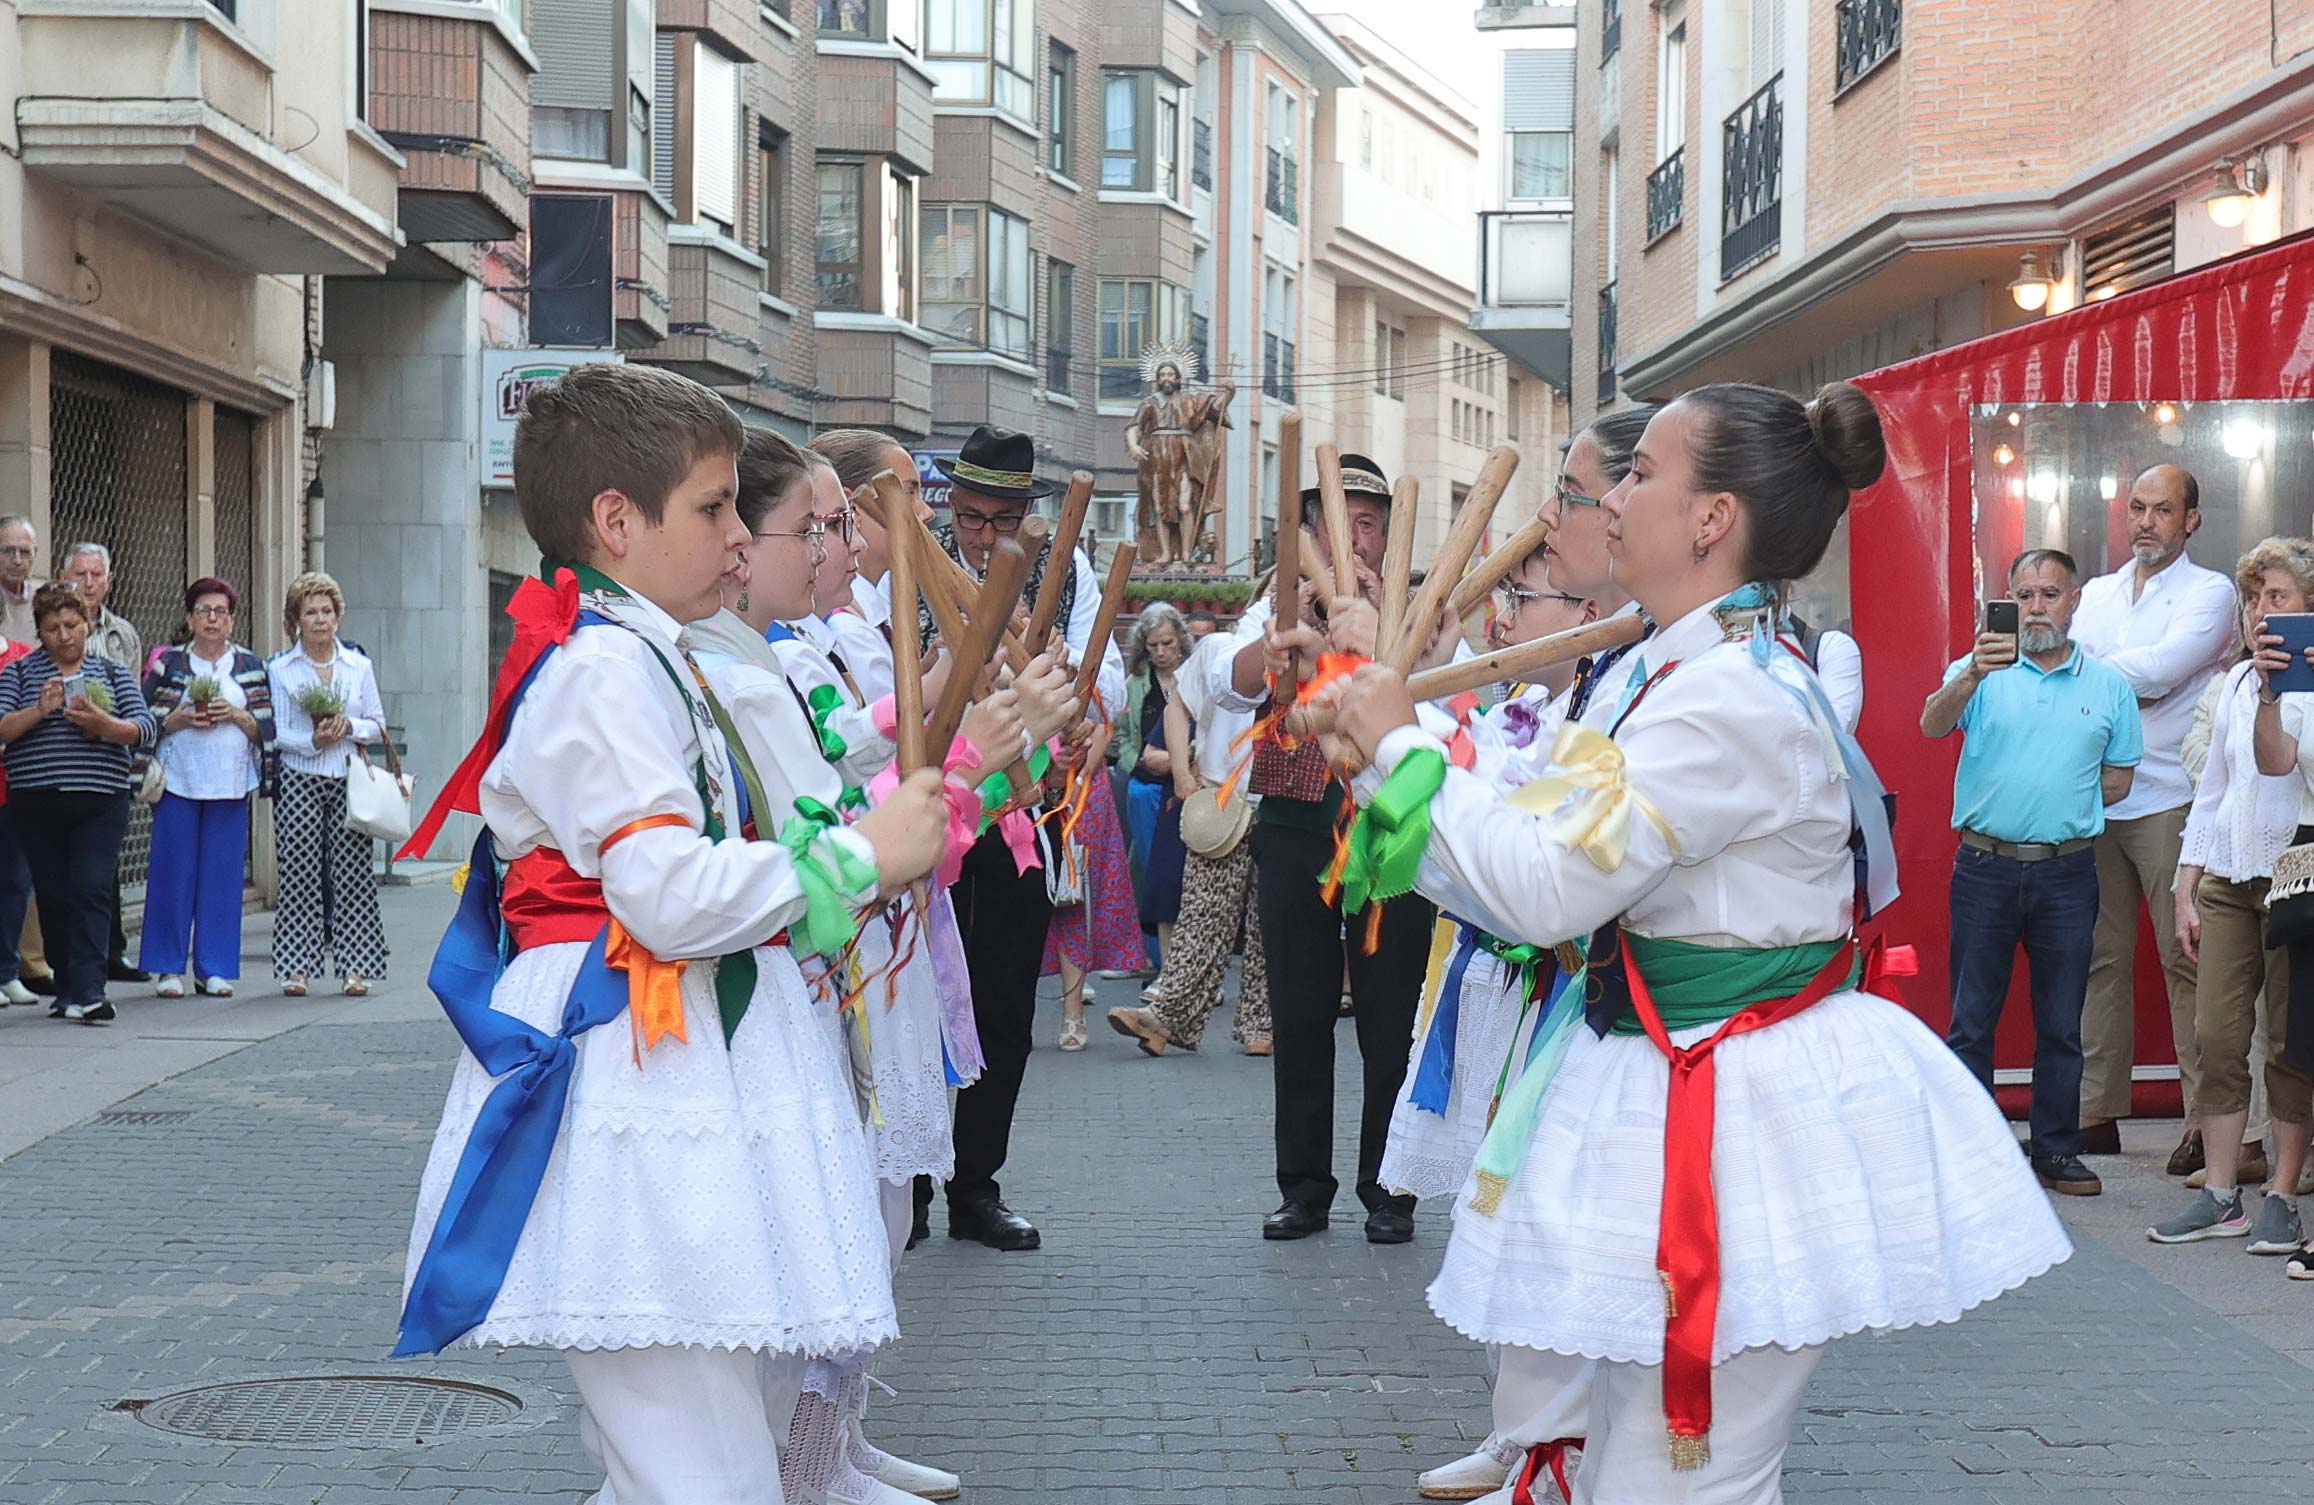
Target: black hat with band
<point>996,463</point>
<point>1361,477</point>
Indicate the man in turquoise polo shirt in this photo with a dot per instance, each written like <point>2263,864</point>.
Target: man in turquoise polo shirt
<point>2049,740</point>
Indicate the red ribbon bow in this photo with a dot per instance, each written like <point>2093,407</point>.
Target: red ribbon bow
<point>1550,1455</point>
<point>544,617</point>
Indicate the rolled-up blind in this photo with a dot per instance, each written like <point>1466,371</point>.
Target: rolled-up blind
<point>575,41</point>
<point>1538,90</point>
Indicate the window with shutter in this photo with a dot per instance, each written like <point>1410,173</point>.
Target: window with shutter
<point>1767,41</point>
<point>665,120</point>
<point>715,108</point>
<point>575,92</point>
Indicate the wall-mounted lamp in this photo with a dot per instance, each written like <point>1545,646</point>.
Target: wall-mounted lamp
<point>2239,182</point>
<point>2032,286</point>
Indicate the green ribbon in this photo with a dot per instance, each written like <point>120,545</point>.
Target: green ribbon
<point>1388,838</point>
<point>828,924</point>
<point>825,701</point>
<point>1694,984</point>
<point>996,789</point>
<point>734,974</point>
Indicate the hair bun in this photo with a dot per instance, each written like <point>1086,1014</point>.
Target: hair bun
<point>1846,427</point>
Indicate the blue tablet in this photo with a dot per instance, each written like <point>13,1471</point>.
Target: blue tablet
<point>2296,630</point>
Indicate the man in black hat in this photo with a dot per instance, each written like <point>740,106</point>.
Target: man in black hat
<point>1002,912</point>
<point>1293,842</point>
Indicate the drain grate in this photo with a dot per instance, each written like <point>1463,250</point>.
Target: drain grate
<point>119,1116</point>
<point>331,1411</point>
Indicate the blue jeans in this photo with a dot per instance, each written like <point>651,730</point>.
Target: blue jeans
<point>2050,909</point>
<point>15,897</point>
<point>193,887</point>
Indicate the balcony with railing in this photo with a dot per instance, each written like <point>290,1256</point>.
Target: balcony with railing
<point>1666,195</point>
<point>1607,343</point>
<point>1201,341</point>
<point>1867,34</point>
<point>1277,368</point>
<point>1526,287</point>
<point>1752,181</point>
<point>1201,154</point>
<point>452,95</point>
<point>1281,187</point>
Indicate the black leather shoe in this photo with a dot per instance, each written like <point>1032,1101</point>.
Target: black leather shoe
<point>994,1224</point>
<point>119,970</point>
<point>1293,1221</point>
<point>43,983</point>
<point>2067,1176</point>
<point>1389,1225</point>
<point>2187,1157</point>
<point>2101,1139</point>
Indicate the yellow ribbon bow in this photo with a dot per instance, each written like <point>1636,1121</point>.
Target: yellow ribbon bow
<point>1589,770</point>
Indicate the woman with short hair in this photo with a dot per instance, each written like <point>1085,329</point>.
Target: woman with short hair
<point>215,704</point>
<point>326,705</point>
<point>68,718</point>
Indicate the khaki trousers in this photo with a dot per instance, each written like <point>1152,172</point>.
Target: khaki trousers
<point>2136,866</point>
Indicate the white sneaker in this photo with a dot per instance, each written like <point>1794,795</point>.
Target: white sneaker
<point>921,1480</point>
<point>851,1487</point>
<point>171,986</point>
<point>1481,1473</point>
<point>215,987</point>
<point>15,992</point>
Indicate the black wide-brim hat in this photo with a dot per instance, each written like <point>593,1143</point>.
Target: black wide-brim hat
<point>1360,477</point>
<point>996,463</point>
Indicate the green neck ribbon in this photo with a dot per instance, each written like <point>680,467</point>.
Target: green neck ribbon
<point>1389,836</point>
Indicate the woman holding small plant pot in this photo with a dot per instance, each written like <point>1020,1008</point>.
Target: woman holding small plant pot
<point>69,719</point>
<point>325,701</point>
<point>215,702</point>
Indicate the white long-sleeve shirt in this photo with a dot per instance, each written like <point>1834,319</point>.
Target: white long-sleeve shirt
<point>1748,781</point>
<point>2166,640</point>
<point>1215,727</point>
<point>355,681</point>
<point>2241,819</point>
<point>1221,667</point>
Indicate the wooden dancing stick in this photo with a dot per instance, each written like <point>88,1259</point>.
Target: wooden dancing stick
<point>1496,567</point>
<point>1048,597</point>
<point>1334,506</point>
<point>999,594</point>
<point>1313,565</point>
<point>1105,625</point>
<point>1398,558</point>
<point>947,587</point>
<point>1446,569</point>
<point>1034,533</point>
<point>1286,580</point>
<point>907,660</point>
<point>1504,664</point>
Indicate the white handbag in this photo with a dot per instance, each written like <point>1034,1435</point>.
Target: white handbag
<point>377,802</point>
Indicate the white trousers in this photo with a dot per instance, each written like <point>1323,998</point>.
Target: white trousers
<point>897,1201</point>
<point>1755,1399</point>
<point>686,1426</point>
<point>1541,1397</point>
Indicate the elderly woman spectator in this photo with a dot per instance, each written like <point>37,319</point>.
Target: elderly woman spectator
<point>2240,822</point>
<point>1153,651</point>
<point>215,702</point>
<point>326,704</point>
<point>68,718</point>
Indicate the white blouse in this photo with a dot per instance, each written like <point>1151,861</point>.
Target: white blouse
<point>2241,819</point>
<point>214,762</point>
<point>1751,785</point>
<point>357,685</point>
<point>606,737</point>
<point>867,751</point>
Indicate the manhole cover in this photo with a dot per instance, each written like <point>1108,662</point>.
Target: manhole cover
<point>332,1411</point>
<point>143,1115</point>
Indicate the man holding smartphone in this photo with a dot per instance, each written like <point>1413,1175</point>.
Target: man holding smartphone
<point>2051,737</point>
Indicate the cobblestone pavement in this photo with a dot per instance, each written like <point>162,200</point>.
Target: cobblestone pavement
<point>246,1217</point>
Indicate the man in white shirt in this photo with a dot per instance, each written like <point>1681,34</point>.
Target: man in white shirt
<point>2166,624</point>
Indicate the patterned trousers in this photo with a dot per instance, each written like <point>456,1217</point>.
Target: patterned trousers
<point>329,884</point>
<point>1217,894</point>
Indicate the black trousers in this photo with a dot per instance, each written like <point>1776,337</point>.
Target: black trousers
<point>73,842</point>
<point>1303,935</point>
<point>1002,915</point>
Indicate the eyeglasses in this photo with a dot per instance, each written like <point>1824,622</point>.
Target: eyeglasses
<point>210,613</point>
<point>845,524</point>
<point>816,535</point>
<point>1003,524</point>
<point>16,551</point>
<point>1513,597</point>
<point>1576,498</point>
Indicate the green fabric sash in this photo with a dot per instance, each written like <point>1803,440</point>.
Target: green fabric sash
<point>828,872</point>
<point>1389,836</point>
<point>1694,984</point>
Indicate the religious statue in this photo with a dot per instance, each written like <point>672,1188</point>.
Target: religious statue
<point>1176,441</point>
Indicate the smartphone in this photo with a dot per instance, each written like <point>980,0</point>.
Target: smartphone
<point>2296,630</point>
<point>2001,616</point>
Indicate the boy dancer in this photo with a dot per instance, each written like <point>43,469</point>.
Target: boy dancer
<point>632,1195</point>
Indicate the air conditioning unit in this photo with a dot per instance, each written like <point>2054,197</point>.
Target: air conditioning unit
<point>321,396</point>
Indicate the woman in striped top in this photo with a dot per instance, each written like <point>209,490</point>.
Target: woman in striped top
<point>68,719</point>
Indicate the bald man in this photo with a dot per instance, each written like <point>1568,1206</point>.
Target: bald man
<point>2167,625</point>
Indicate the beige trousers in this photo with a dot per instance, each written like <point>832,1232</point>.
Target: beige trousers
<point>2136,869</point>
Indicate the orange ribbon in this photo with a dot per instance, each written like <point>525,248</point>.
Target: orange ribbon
<point>654,987</point>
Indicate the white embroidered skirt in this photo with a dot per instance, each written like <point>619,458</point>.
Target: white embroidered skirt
<point>915,1136</point>
<point>715,1197</point>
<point>1429,1154</point>
<point>1864,1181</point>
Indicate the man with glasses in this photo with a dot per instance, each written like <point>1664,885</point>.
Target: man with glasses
<point>18,543</point>
<point>1001,911</point>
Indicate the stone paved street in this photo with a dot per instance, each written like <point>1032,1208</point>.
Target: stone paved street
<point>244,1216</point>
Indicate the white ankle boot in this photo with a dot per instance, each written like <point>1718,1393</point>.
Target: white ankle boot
<point>919,1480</point>
<point>1469,1478</point>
